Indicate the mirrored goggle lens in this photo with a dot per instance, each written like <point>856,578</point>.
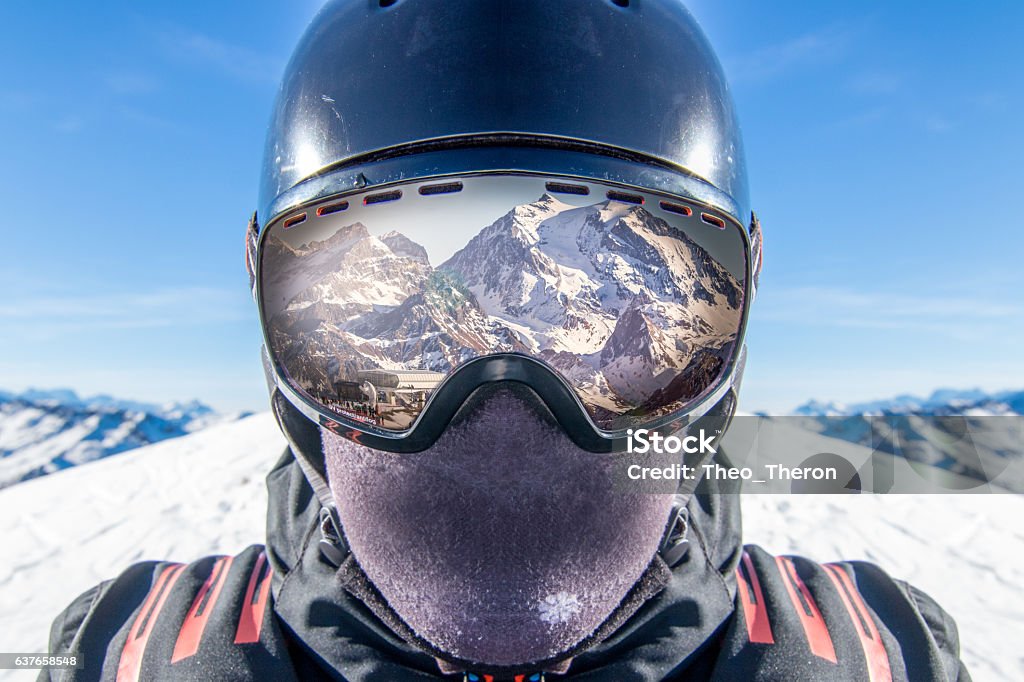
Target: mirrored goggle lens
<point>370,301</point>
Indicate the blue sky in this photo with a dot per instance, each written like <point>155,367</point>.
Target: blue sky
<point>883,144</point>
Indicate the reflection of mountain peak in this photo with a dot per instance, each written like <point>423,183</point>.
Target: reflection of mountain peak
<point>353,233</point>
<point>550,264</point>
<point>635,335</point>
<point>536,211</point>
<point>548,201</point>
<point>401,245</point>
<point>277,248</point>
<point>357,240</point>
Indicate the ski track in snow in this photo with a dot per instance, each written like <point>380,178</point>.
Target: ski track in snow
<point>204,494</point>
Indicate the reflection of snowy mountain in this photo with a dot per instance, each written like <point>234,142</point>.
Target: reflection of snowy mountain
<point>45,431</point>
<point>437,328</point>
<point>566,273</point>
<point>610,283</point>
<point>351,270</point>
<point>616,298</point>
<point>318,289</point>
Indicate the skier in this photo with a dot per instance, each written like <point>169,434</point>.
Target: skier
<point>534,217</point>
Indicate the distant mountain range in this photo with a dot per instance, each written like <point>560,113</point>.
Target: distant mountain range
<point>46,431</point>
<point>42,431</point>
<point>945,401</point>
<point>965,432</point>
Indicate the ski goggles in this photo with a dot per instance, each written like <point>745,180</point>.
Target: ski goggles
<point>383,310</point>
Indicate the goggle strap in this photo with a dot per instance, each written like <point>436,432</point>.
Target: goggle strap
<point>303,437</point>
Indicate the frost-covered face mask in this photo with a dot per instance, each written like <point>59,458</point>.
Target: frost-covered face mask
<point>504,544</point>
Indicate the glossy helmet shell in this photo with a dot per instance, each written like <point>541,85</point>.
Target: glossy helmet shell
<point>617,81</point>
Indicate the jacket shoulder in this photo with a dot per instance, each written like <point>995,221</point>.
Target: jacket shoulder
<point>835,621</point>
<point>165,620</point>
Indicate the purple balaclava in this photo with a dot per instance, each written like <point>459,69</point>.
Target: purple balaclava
<point>503,544</point>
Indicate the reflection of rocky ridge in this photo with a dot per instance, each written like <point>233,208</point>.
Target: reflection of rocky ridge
<point>637,353</point>
<point>689,383</point>
<point>438,328</point>
<point>401,245</point>
<point>611,295</point>
<point>351,271</point>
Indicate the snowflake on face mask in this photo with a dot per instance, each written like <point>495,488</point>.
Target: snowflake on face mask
<point>558,608</point>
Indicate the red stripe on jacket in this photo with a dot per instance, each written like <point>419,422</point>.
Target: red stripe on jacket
<point>255,603</point>
<point>130,665</point>
<point>867,632</point>
<point>755,612</point>
<point>807,609</point>
<point>195,621</point>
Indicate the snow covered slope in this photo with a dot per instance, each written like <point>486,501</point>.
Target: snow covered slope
<point>966,551</point>
<point>184,498</point>
<point>204,493</point>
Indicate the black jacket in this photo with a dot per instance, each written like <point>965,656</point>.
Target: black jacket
<point>282,612</point>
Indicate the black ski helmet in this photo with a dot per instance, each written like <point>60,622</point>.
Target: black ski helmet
<point>616,91</point>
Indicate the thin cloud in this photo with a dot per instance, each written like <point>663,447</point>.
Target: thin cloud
<point>130,83</point>
<point>17,100</point>
<point>938,125</point>
<point>975,317</point>
<point>771,61</point>
<point>989,101</point>
<point>895,90</point>
<point>69,124</point>
<point>877,83</point>
<point>862,119</point>
<point>144,118</point>
<point>51,316</point>
<point>229,59</point>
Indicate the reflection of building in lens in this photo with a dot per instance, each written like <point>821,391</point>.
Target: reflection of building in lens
<point>349,391</point>
<point>396,389</point>
<point>390,398</point>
